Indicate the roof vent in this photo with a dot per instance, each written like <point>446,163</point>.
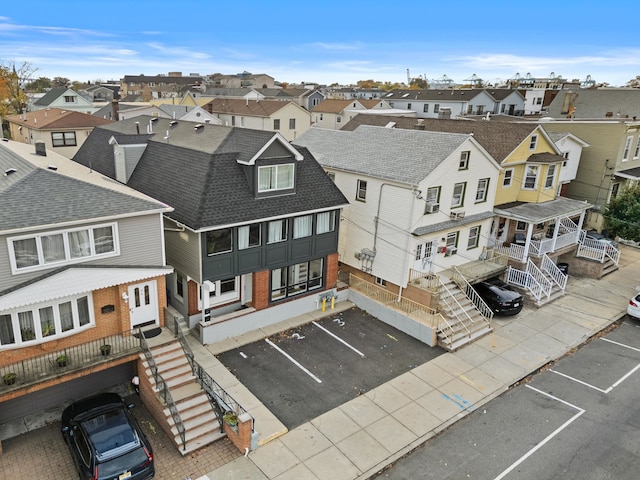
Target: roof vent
<point>52,167</point>
<point>198,127</point>
<point>41,149</point>
<point>9,171</point>
<point>173,122</point>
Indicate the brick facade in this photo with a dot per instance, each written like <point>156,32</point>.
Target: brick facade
<point>260,289</point>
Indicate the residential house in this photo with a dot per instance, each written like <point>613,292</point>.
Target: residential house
<point>82,265</point>
<point>241,80</point>
<point>287,118</point>
<point>254,234</point>
<point>63,131</point>
<point>103,92</point>
<point>351,93</point>
<point>421,205</point>
<point>571,148</point>
<point>533,225</point>
<point>507,101</point>
<point>305,97</point>
<point>606,103</point>
<point>63,98</point>
<point>148,87</point>
<point>609,165</point>
<point>332,113</point>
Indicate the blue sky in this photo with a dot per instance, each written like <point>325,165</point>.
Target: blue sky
<point>324,41</point>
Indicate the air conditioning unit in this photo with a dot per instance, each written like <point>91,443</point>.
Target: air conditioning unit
<point>456,215</point>
<point>432,207</point>
<point>451,251</point>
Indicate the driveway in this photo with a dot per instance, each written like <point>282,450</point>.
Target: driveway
<point>302,373</point>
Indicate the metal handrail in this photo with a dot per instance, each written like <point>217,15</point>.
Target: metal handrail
<point>161,385</point>
<point>471,293</point>
<point>554,272</point>
<point>453,312</point>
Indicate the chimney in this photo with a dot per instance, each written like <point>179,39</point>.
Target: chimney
<point>41,149</point>
<point>419,125</point>
<point>115,109</point>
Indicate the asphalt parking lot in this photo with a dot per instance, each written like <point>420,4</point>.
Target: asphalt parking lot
<point>302,373</point>
<point>576,419</point>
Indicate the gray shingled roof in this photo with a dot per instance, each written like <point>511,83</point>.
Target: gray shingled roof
<point>448,224</point>
<point>407,156</point>
<point>500,139</point>
<point>541,212</point>
<point>33,196</point>
<point>618,103</point>
<point>198,174</point>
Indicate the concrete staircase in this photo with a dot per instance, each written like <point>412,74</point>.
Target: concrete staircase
<point>608,267</point>
<point>463,321</point>
<point>198,417</point>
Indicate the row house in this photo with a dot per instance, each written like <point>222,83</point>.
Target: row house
<point>287,118</point>
<point>63,98</point>
<point>452,103</point>
<point>333,113</point>
<point>63,131</point>
<point>82,266</point>
<point>253,236</point>
<point>148,87</point>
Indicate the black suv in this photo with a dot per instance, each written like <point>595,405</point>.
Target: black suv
<point>105,440</point>
<point>500,297</point>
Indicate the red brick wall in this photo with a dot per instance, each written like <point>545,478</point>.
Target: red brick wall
<point>261,289</point>
<point>193,294</point>
<point>331,278</point>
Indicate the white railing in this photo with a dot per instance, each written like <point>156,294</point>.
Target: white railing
<point>470,292</point>
<point>596,250</point>
<point>613,253</point>
<point>451,302</point>
<point>540,277</point>
<point>525,280</point>
<point>554,272</point>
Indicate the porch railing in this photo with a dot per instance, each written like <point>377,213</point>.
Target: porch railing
<point>45,367</point>
<point>554,272</point>
<point>523,279</point>
<point>471,293</point>
<point>415,310</point>
<point>596,250</point>
<point>424,280</point>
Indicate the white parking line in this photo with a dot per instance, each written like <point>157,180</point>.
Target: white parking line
<point>295,362</point>
<point>618,382</point>
<point>549,437</point>
<point>339,339</point>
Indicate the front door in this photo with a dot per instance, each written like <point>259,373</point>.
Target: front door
<point>143,303</point>
<point>423,261</point>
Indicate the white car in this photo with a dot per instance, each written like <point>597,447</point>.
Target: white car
<point>633,308</point>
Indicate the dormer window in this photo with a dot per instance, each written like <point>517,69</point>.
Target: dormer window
<point>275,177</point>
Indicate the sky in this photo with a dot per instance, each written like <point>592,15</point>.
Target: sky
<point>324,41</point>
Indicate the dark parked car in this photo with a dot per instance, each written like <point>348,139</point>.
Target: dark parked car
<point>105,440</point>
<point>500,297</point>
<point>599,237</point>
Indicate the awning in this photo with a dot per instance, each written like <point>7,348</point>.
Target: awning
<point>74,281</point>
<point>542,212</point>
<point>631,173</point>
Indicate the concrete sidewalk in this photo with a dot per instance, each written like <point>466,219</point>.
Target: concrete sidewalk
<point>364,435</point>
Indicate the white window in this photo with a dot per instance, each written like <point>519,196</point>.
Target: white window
<point>325,222</point>
<point>46,321</point>
<point>63,246</point>
<point>277,231</point>
<point>302,226</point>
<point>361,191</point>
<point>425,251</point>
<point>452,240</point>
<point>636,153</point>
<point>474,237</point>
<point>464,160</point>
<point>481,192</point>
<point>224,291</point>
<point>508,177</point>
<point>533,142</point>
<point>627,148</point>
<point>275,177</point>
<point>551,173</point>
<point>531,177</point>
<point>248,236</point>
<point>458,194</point>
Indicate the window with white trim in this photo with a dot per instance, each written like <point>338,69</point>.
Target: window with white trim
<point>43,322</point>
<point>302,226</point>
<point>35,252</point>
<point>551,175</point>
<point>277,231</point>
<point>325,222</point>
<point>464,160</point>
<point>248,236</point>
<point>508,177</point>
<point>452,239</point>
<point>219,241</point>
<point>276,124</point>
<point>533,143</point>
<point>458,194</point>
<point>425,251</point>
<point>483,189</point>
<point>636,152</point>
<point>224,291</point>
<point>627,148</point>
<point>296,279</point>
<point>276,177</point>
<point>361,190</point>
<point>531,177</point>
<point>474,237</point>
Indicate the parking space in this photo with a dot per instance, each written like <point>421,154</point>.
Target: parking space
<point>302,373</point>
<point>42,453</point>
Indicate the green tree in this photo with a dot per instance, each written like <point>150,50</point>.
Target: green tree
<point>13,77</point>
<point>622,215</point>
<point>418,83</point>
<point>39,85</point>
<point>60,82</point>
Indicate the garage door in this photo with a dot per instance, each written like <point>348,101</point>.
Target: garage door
<point>59,394</point>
